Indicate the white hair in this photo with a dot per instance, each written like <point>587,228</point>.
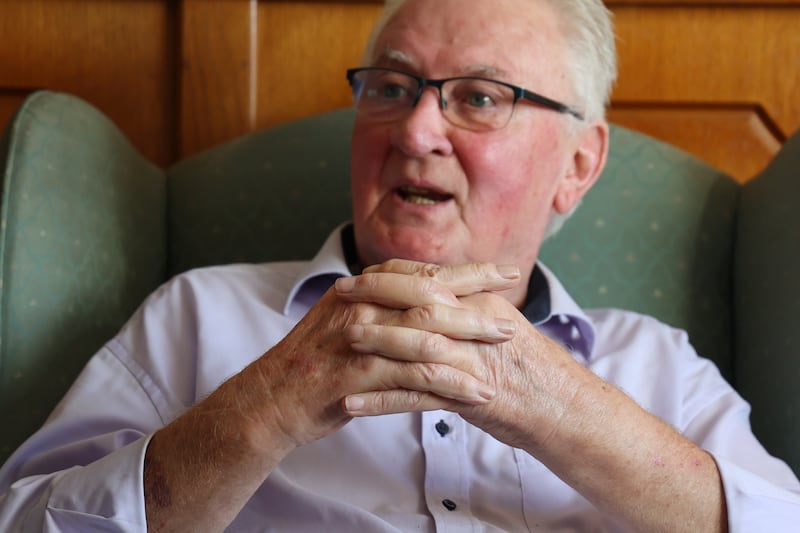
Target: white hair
<point>589,32</point>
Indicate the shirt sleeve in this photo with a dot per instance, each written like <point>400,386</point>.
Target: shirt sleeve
<point>657,365</point>
<point>83,470</point>
<point>756,503</point>
<point>761,491</point>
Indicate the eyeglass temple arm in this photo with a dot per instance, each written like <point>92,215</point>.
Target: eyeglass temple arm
<point>547,102</point>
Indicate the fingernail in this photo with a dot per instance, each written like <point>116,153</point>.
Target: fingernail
<point>345,284</point>
<point>508,271</point>
<point>505,326</point>
<point>353,404</point>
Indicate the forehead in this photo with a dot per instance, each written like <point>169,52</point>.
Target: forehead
<point>513,39</point>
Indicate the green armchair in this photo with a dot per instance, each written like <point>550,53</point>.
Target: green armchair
<point>89,228</point>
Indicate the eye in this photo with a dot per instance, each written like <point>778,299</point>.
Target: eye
<point>393,91</point>
<point>387,86</point>
<point>473,94</point>
<point>479,100</point>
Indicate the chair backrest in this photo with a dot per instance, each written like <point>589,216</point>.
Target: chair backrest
<point>767,302</point>
<point>89,228</point>
<point>654,235</point>
<point>82,240</point>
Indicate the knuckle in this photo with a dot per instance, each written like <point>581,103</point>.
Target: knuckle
<point>423,314</point>
<point>432,346</point>
<point>368,282</point>
<point>361,313</point>
<point>429,287</point>
<point>479,270</point>
<point>414,399</point>
<point>430,270</point>
<point>432,373</point>
<point>380,402</point>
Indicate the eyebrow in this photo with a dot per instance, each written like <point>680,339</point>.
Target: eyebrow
<point>401,60</point>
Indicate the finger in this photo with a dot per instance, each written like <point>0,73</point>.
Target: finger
<point>427,334</point>
<point>393,401</point>
<point>438,362</point>
<point>399,266</point>
<point>402,344</point>
<point>399,291</point>
<point>460,279</point>
<point>457,323</point>
<point>440,379</point>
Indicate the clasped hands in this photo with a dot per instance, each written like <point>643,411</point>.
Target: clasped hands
<point>408,336</point>
<point>439,328</point>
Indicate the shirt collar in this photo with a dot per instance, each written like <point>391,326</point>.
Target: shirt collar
<point>317,276</point>
<point>564,321</point>
<point>547,304</point>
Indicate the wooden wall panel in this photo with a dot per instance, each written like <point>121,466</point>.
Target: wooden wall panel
<point>713,78</point>
<point>737,139</point>
<point>248,64</point>
<point>219,66</point>
<point>10,100</point>
<point>117,55</point>
<point>310,77</point>
<point>718,78</point>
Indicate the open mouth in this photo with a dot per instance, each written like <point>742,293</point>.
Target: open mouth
<point>420,196</point>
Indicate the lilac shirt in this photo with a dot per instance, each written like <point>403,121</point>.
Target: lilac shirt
<point>409,472</point>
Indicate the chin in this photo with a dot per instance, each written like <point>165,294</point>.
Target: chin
<point>420,245</point>
<point>416,249</point>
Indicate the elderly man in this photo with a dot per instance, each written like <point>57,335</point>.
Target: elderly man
<point>453,384</point>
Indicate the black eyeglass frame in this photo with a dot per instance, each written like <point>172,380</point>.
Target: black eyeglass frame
<point>519,92</point>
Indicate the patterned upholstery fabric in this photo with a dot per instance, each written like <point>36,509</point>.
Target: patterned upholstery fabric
<point>275,194</point>
<point>82,238</point>
<point>655,235</point>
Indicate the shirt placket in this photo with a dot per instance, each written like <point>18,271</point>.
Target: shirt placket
<point>447,471</point>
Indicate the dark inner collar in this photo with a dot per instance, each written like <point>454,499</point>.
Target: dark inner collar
<point>349,248</point>
<point>537,300</point>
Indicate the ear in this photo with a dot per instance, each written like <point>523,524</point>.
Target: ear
<point>591,152</point>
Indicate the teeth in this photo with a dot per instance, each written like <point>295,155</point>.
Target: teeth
<point>421,196</point>
<point>419,200</point>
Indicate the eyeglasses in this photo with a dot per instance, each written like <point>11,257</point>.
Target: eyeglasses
<point>479,104</point>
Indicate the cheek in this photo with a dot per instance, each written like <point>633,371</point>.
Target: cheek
<point>513,185</point>
<point>504,181</point>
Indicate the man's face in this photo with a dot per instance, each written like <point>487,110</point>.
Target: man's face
<point>427,190</point>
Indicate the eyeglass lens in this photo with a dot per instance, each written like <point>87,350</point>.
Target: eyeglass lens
<point>467,102</point>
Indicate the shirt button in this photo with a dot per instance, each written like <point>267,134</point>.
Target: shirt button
<point>442,428</point>
<point>450,505</point>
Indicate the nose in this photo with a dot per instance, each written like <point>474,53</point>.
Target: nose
<point>425,129</point>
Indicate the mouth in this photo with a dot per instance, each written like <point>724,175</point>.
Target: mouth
<point>421,196</point>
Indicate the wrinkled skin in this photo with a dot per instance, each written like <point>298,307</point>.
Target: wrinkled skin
<point>519,370</point>
<point>322,352</point>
